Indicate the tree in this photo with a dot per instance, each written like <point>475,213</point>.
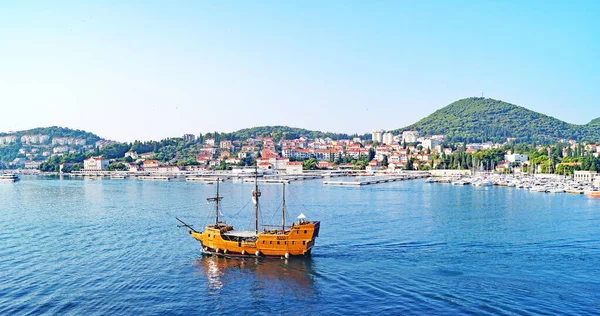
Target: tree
<point>385,161</point>
<point>310,164</point>
<point>117,167</point>
<point>409,164</point>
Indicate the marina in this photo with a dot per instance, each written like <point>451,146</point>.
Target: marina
<point>543,184</point>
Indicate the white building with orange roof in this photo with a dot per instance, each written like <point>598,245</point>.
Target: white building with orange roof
<point>294,167</point>
<point>151,163</point>
<point>95,164</point>
<point>323,154</point>
<point>277,163</point>
<point>324,165</point>
<point>373,166</point>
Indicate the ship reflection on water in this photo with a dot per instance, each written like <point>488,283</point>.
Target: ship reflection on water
<point>295,277</point>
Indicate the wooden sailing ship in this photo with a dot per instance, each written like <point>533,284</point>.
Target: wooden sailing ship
<point>298,239</point>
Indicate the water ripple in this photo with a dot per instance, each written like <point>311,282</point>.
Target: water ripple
<point>112,247</point>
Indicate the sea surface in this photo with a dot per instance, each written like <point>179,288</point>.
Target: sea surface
<point>112,247</point>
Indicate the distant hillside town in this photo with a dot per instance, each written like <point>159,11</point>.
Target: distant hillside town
<point>383,152</point>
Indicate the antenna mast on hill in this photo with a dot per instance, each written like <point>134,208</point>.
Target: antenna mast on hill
<point>482,93</point>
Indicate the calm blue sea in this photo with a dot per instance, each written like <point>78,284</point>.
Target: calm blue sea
<point>113,247</point>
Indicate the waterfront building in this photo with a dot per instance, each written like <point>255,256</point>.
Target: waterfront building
<point>132,167</point>
<point>293,167</point>
<point>357,153</point>
<point>32,164</point>
<point>95,164</point>
<point>276,163</point>
<point>323,154</point>
<point>150,163</point>
<point>373,166</point>
<point>587,176</point>
<point>264,166</point>
<point>165,169</point>
<point>324,165</point>
<point>516,158</point>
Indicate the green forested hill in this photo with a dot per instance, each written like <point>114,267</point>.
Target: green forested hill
<point>56,131</point>
<point>282,132</point>
<point>10,151</point>
<point>595,121</point>
<point>481,119</point>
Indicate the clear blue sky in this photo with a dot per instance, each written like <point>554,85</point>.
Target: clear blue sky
<point>147,69</point>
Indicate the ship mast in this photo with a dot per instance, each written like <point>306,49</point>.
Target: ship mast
<point>283,210</point>
<point>255,196</point>
<point>216,200</point>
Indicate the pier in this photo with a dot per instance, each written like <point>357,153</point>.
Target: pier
<point>360,181</point>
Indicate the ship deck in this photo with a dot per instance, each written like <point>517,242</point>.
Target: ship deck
<point>240,233</point>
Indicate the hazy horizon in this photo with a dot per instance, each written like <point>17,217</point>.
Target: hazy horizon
<point>151,70</point>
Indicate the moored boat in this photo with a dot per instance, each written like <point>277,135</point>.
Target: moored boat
<point>9,177</point>
<point>222,239</point>
<point>155,178</point>
<point>592,193</point>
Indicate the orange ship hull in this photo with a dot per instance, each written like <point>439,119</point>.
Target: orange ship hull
<point>593,193</point>
<point>221,239</point>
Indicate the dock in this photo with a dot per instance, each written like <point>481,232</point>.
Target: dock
<point>360,181</point>
<point>155,178</point>
<point>267,181</point>
<point>207,180</point>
